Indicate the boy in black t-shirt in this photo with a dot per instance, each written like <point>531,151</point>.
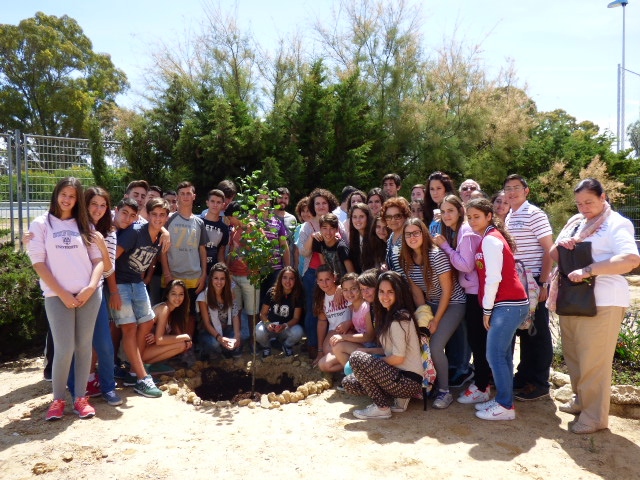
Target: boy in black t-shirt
<point>217,231</point>
<point>333,249</point>
<point>131,309</point>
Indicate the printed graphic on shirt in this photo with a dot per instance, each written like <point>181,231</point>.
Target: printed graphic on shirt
<point>281,310</point>
<point>141,258</point>
<point>186,237</point>
<point>67,242</point>
<point>214,235</point>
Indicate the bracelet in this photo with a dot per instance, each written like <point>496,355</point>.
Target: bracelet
<point>320,350</point>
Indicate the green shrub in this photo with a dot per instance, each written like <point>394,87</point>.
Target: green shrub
<point>22,319</point>
<point>628,346</point>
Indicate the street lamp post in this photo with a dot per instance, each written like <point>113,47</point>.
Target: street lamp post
<point>621,71</point>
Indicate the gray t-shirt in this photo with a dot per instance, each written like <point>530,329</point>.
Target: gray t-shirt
<point>187,235</point>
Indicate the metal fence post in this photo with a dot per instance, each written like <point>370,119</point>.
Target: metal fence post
<point>12,217</point>
<point>18,144</point>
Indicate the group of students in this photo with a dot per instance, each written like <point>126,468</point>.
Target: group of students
<point>457,255</point>
<point>350,276</point>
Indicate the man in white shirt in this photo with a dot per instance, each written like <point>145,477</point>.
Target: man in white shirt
<point>342,210</point>
<point>530,228</point>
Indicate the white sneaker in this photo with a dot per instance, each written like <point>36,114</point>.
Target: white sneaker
<point>485,405</point>
<point>400,405</point>
<point>443,400</point>
<point>474,395</point>
<point>373,412</point>
<point>497,412</point>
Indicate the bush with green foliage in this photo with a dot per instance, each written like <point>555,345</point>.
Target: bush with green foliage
<point>23,321</point>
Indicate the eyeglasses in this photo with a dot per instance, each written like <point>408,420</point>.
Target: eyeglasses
<point>415,234</point>
<point>397,216</point>
<point>514,188</point>
<point>473,188</point>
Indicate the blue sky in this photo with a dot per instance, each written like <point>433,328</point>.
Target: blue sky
<point>565,52</point>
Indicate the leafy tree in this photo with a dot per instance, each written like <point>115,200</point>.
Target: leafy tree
<point>256,249</point>
<point>633,134</point>
<point>50,78</point>
<point>558,137</point>
<point>96,147</point>
<point>312,125</point>
<point>556,189</point>
<point>220,139</point>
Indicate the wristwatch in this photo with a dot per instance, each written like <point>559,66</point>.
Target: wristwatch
<point>588,270</point>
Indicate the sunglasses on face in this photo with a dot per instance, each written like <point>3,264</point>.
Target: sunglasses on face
<point>397,216</point>
<point>466,189</point>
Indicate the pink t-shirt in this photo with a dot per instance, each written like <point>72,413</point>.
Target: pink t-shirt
<point>59,245</point>
<point>359,317</point>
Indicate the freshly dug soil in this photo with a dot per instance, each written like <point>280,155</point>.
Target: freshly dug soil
<point>219,384</point>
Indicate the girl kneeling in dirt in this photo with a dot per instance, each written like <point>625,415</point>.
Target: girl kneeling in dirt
<point>168,339</point>
<point>220,314</point>
<point>281,313</point>
<point>393,379</point>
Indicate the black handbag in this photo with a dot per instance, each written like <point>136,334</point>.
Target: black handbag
<point>575,298</point>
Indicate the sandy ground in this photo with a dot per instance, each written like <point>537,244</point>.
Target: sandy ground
<point>317,438</point>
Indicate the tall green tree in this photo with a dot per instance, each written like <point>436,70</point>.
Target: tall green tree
<point>633,134</point>
<point>51,80</point>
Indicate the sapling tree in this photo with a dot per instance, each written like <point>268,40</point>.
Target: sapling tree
<point>256,249</point>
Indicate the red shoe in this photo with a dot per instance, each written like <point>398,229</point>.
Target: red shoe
<point>56,410</point>
<point>82,408</point>
<point>93,388</point>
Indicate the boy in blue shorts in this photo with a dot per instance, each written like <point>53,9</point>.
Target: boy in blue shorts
<point>137,247</point>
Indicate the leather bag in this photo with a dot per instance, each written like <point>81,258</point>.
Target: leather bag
<point>575,298</point>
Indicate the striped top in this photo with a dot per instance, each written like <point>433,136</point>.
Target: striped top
<point>394,246</point>
<point>111,240</point>
<point>527,226</point>
<point>440,264</point>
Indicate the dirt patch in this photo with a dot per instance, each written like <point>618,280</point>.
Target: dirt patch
<point>235,385</point>
<point>315,438</point>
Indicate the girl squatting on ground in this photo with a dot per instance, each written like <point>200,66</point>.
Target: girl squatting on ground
<point>390,380</point>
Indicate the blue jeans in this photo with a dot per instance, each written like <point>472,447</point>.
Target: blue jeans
<point>310,320</point>
<point>208,344</point>
<point>504,323</point>
<point>289,337</point>
<point>103,346</point>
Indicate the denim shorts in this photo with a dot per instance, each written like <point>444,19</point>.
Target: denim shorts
<point>136,307</point>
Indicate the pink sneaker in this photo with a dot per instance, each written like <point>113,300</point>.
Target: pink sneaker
<point>56,410</point>
<point>93,388</point>
<point>82,408</point>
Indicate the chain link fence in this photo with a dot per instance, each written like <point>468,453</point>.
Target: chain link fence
<point>630,207</point>
<point>30,167</point>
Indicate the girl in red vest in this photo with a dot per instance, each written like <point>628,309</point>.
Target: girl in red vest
<point>504,303</point>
